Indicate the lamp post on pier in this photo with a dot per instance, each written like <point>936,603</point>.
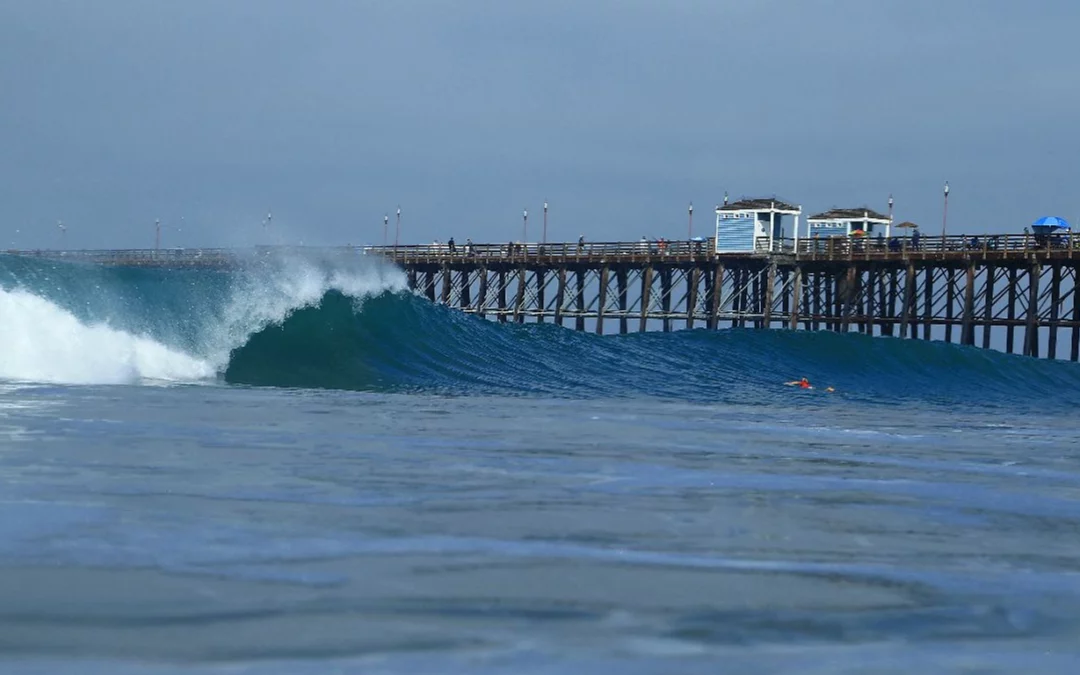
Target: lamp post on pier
<point>888,228</point>
<point>690,222</point>
<point>945,216</point>
<point>397,227</point>
<point>545,221</point>
<point>157,233</point>
<point>524,226</point>
<point>385,228</point>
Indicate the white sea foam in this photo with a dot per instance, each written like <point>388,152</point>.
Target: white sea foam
<point>41,341</point>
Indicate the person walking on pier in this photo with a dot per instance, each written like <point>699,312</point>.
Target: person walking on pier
<point>452,246</point>
<point>915,236</point>
<point>581,244</point>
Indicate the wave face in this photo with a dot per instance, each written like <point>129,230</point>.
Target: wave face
<point>349,323</point>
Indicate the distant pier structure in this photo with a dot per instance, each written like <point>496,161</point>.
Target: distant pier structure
<point>1019,293</point>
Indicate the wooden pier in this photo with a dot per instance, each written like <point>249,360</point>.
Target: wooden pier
<point>1015,293</point>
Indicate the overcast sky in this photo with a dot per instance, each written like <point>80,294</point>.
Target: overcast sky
<point>208,114</point>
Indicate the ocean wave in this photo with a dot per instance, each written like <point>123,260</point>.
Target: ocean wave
<point>349,323</point>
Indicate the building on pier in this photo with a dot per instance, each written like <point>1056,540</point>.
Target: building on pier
<point>845,222</point>
<point>754,225</point>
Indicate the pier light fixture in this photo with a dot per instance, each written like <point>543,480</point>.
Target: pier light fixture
<point>544,240</point>
<point>397,227</point>
<point>690,221</point>
<point>385,227</point>
<point>945,215</point>
<point>888,227</point>
<point>524,225</point>
<point>157,233</point>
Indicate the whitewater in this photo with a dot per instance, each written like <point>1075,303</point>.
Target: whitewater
<point>299,466</point>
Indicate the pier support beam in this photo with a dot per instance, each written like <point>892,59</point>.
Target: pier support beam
<point>894,283</point>
<point>1031,332</point>
<point>967,327</point>
<point>928,303</point>
<point>560,297</point>
<point>816,313</point>
<point>950,302</point>
<point>601,300</point>
<point>869,296</point>
<point>519,298</point>
<point>465,299</point>
<point>848,298</point>
<point>909,300</point>
<point>481,293</point>
<point>1055,300</point>
<point>1074,353</point>
<point>1010,311</point>
<point>579,320</point>
<point>830,305</point>
<point>503,308</point>
<point>716,291</point>
<point>429,285</point>
<point>646,293</point>
<point>447,281</point>
<point>540,304</point>
<point>770,288</point>
<point>665,297</point>
<point>691,295</point>
<point>620,281</point>
<point>988,305</point>
<point>796,298</point>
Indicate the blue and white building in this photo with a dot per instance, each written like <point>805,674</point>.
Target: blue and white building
<point>754,225</point>
<point>844,222</point>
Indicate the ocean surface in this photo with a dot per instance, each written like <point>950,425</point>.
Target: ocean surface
<point>300,467</point>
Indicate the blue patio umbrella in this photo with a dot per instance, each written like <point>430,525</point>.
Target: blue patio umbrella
<point>1052,221</point>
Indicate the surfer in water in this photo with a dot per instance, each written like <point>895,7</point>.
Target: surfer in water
<point>804,383</point>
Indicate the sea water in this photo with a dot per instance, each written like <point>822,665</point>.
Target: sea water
<point>303,468</point>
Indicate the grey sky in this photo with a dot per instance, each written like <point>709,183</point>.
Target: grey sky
<point>619,112</point>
